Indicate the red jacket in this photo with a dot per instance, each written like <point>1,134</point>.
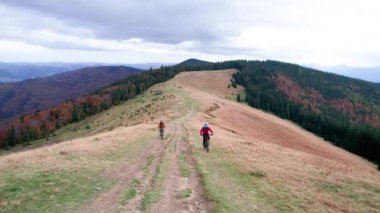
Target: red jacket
<point>205,131</point>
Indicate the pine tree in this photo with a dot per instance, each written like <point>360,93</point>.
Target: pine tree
<point>12,137</point>
<point>74,114</point>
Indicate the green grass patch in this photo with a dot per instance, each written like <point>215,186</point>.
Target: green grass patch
<point>127,195</point>
<point>184,193</point>
<point>184,165</point>
<point>173,146</point>
<point>2,152</point>
<point>238,97</point>
<point>189,103</point>
<point>53,191</point>
<point>135,182</point>
<point>330,187</point>
<point>149,161</point>
<point>363,196</point>
<point>149,198</point>
<point>87,127</point>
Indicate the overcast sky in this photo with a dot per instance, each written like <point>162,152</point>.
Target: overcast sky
<point>319,32</point>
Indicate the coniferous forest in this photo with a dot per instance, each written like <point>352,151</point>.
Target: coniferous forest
<point>342,110</point>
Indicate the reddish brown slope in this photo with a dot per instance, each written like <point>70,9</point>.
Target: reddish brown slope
<point>299,165</point>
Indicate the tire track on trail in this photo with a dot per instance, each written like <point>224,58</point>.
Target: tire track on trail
<point>145,176</point>
<point>110,200</point>
<point>168,201</point>
<point>182,193</point>
<point>199,200</point>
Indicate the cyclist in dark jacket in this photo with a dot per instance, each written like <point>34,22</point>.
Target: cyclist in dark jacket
<point>161,127</point>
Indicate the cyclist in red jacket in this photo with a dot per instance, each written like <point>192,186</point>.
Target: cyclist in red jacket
<point>206,136</point>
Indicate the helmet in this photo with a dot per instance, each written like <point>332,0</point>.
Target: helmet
<point>205,125</point>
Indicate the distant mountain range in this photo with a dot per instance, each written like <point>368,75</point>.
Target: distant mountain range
<point>35,94</point>
<point>371,74</point>
<point>13,72</point>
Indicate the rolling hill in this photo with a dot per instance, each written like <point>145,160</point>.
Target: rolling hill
<point>193,62</point>
<point>342,110</point>
<point>114,161</point>
<point>37,94</point>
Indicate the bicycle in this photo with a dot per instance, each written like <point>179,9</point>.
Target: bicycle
<point>162,134</point>
<point>206,144</point>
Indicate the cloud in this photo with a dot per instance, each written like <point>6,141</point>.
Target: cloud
<point>163,21</point>
<point>310,32</point>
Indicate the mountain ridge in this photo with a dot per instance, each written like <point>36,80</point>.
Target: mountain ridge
<point>39,93</point>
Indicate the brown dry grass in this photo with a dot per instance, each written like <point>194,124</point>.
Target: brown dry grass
<point>211,82</point>
<point>289,156</point>
<point>61,155</point>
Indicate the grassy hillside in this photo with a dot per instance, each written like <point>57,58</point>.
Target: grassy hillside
<point>79,169</point>
<point>261,163</point>
<point>114,162</point>
<point>342,110</point>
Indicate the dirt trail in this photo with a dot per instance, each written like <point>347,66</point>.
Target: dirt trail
<point>123,174</point>
<point>141,174</point>
<point>176,183</point>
